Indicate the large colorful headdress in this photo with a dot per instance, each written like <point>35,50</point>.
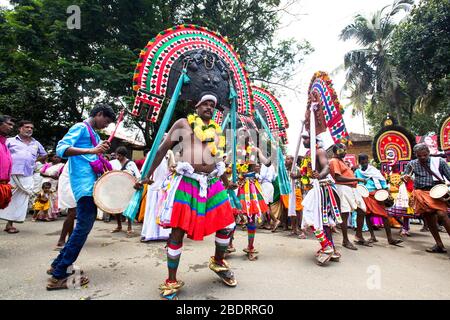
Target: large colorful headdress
<point>444,137</point>
<point>392,146</point>
<point>153,81</point>
<point>332,110</point>
<point>270,108</point>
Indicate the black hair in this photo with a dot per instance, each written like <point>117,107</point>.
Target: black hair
<point>362,156</point>
<point>23,122</point>
<point>46,184</point>
<point>338,146</point>
<point>6,118</point>
<point>122,151</point>
<point>106,109</point>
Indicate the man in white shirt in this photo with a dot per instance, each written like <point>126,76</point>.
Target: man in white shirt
<point>123,163</point>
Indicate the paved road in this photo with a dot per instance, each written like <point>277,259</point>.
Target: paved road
<point>123,268</point>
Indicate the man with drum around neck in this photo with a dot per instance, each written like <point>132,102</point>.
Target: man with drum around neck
<point>197,203</point>
<point>78,145</point>
<point>374,181</point>
<point>428,172</point>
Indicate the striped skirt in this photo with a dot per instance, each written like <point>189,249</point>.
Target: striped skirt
<point>251,198</point>
<point>198,217</point>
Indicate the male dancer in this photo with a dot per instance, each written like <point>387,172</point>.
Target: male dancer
<point>321,205</point>
<point>197,203</point>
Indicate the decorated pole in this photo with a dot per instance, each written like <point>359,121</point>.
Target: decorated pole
<point>131,211</point>
<point>299,143</point>
<point>233,111</point>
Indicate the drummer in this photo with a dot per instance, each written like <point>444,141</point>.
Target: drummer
<point>77,146</point>
<point>428,172</point>
<point>374,181</point>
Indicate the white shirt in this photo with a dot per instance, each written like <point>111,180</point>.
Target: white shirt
<point>267,174</point>
<point>130,167</point>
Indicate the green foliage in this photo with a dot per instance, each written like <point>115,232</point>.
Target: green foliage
<point>402,69</point>
<point>52,75</point>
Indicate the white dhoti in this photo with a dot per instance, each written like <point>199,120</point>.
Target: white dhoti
<point>65,196</point>
<point>17,209</point>
<point>350,198</point>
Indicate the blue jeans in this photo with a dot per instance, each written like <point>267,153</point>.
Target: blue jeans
<point>86,214</point>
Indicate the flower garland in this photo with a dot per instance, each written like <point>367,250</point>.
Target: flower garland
<point>306,171</point>
<point>207,133</point>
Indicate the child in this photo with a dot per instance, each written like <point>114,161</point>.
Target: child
<point>42,203</point>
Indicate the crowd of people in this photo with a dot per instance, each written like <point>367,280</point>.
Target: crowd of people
<point>196,193</point>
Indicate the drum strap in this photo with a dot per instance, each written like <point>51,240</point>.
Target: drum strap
<point>432,173</point>
<point>125,165</point>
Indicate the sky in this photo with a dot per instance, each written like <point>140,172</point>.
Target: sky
<point>319,22</point>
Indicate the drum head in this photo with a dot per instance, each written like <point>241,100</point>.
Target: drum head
<point>362,190</point>
<point>381,195</point>
<point>438,191</point>
<point>113,191</point>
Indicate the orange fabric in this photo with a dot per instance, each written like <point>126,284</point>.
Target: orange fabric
<point>5,195</point>
<point>424,203</point>
<point>143,204</point>
<point>339,167</point>
<point>298,200</point>
<point>375,207</point>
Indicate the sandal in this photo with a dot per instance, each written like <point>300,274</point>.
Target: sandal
<point>372,240</point>
<point>363,243</point>
<point>322,258</point>
<point>396,242</point>
<point>71,271</point>
<point>130,233</point>
<point>252,254</point>
<point>349,245</point>
<point>116,230</point>
<point>231,249</point>
<point>335,256</point>
<point>302,236</point>
<point>436,249</point>
<point>223,271</point>
<point>169,290</point>
<point>58,284</point>
<point>275,226</point>
<point>12,230</point>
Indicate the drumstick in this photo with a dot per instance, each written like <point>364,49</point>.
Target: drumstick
<point>119,120</point>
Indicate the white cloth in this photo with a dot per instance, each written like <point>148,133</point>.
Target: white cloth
<point>17,209</point>
<point>350,198</point>
<point>402,199</point>
<point>434,166</point>
<point>150,228</point>
<point>130,167</point>
<point>66,200</point>
<point>312,213</point>
<point>265,178</point>
<point>37,178</point>
<point>373,173</point>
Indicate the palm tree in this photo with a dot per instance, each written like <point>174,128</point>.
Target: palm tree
<point>369,71</point>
